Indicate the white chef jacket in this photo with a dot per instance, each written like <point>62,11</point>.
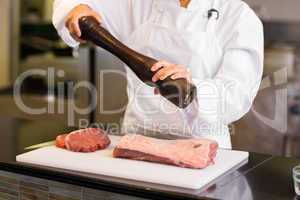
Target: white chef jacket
<point>224,54</point>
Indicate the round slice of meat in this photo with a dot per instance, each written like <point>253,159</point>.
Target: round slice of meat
<point>60,141</point>
<point>87,140</point>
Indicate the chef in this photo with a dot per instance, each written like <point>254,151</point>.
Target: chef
<point>215,44</point>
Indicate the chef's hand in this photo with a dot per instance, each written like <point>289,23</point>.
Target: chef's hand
<point>165,69</point>
<point>72,20</point>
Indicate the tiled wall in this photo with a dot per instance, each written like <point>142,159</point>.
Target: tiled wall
<point>20,187</point>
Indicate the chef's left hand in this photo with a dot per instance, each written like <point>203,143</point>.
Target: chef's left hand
<point>165,69</point>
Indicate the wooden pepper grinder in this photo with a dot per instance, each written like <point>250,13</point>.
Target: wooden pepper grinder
<point>180,92</point>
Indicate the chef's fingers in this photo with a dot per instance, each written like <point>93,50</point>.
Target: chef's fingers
<point>72,22</point>
<point>183,74</point>
<point>74,35</point>
<point>171,71</point>
<point>182,67</point>
<point>75,25</point>
<point>71,28</point>
<point>165,72</point>
<point>159,65</point>
<point>79,39</point>
<point>179,75</point>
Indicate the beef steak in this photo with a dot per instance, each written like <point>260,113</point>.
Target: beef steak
<point>60,141</point>
<point>85,140</point>
<point>189,153</point>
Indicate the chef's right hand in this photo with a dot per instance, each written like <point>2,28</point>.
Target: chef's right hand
<point>72,20</point>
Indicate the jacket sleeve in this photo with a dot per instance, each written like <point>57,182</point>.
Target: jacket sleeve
<point>115,16</point>
<point>229,95</point>
<point>61,8</point>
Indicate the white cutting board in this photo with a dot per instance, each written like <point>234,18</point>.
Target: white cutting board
<point>102,162</point>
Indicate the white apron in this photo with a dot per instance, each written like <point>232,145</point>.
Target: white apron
<point>170,34</point>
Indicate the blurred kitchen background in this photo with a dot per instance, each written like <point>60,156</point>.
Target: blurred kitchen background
<point>29,41</point>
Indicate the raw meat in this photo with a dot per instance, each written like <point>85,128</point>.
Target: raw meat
<point>188,153</point>
<point>60,141</point>
<point>85,140</point>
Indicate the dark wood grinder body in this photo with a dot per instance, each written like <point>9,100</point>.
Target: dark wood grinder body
<point>180,92</point>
